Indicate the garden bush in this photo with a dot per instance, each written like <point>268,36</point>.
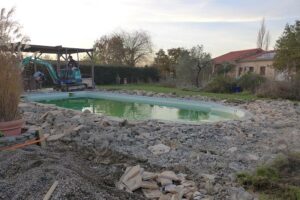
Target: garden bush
<point>280,89</point>
<point>277,180</point>
<point>250,82</point>
<point>220,84</point>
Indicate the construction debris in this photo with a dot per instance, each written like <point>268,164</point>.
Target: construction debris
<point>162,186</point>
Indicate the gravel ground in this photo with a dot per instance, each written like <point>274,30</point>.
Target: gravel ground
<point>92,152</point>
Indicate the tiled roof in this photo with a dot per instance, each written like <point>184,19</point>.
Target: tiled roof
<point>265,55</point>
<point>236,55</point>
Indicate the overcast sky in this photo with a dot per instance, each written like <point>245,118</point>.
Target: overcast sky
<point>220,25</point>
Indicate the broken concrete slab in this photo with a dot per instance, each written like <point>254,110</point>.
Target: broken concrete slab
<point>164,181</point>
<point>148,175</point>
<point>149,185</point>
<point>131,179</point>
<point>152,194</point>
<point>169,175</point>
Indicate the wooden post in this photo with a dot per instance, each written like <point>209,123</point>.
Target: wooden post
<point>58,64</point>
<point>50,191</point>
<point>41,136</point>
<point>93,68</point>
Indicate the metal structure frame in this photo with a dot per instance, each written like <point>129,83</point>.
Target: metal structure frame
<point>61,52</point>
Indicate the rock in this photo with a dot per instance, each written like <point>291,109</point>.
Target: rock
<point>252,157</point>
<point>76,117</point>
<point>105,124</point>
<point>55,137</point>
<point>168,175</point>
<point>170,188</point>
<point>241,194</point>
<point>123,123</point>
<point>149,185</point>
<point>164,181</point>
<point>131,179</point>
<point>78,128</point>
<point>152,194</point>
<point>209,187</point>
<point>148,175</point>
<point>209,177</point>
<point>165,197</point>
<point>159,149</point>
<point>86,111</point>
<point>232,149</point>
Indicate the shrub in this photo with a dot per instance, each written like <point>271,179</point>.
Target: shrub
<point>250,82</point>
<point>279,179</point>
<point>220,84</point>
<point>280,89</point>
<point>10,87</point>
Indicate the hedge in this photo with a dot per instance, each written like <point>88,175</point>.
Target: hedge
<point>105,74</point>
<point>108,74</point>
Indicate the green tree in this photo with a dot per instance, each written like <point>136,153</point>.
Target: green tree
<point>288,49</point>
<point>201,60</point>
<point>191,64</point>
<point>162,62</point>
<point>174,55</point>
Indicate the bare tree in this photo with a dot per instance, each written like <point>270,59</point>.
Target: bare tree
<point>110,50</point>
<point>137,45</point>
<point>263,36</point>
<point>202,60</point>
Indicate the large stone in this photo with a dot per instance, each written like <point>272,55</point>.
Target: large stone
<point>149,185</point>
<point>171,188</point>
<point>152,194</point>
<point>164,181</point>
<point>169,175</point>
<point>148,175</point>
<point>131,179</point>
<point>159,149</point>
<point>165,197</point>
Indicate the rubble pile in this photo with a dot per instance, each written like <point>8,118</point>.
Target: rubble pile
<point>161,186</point>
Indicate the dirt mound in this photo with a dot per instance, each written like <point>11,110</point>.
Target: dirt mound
<point>29,173</point>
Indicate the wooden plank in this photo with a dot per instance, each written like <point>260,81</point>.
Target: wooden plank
<point>50,191</point>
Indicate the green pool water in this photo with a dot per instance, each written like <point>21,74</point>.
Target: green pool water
<point>136,111</point>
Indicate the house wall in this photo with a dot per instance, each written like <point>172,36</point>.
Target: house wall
<point>270,72</point>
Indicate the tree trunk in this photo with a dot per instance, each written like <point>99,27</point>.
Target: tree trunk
<point>197,77</point>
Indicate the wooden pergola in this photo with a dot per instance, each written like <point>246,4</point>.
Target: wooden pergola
<point>61,52</point>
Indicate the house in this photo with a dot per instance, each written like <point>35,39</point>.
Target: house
<point>251,60</point>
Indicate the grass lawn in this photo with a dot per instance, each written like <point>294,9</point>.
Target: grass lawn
<point>180,92</point>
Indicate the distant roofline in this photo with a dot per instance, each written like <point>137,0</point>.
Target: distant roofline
<point>239,51</point>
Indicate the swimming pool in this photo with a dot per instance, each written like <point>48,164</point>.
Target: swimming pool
<point>133,107</point>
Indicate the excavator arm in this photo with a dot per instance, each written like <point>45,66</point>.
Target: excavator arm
<point>43,63</point>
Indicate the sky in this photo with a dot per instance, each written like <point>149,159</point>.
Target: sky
<point>220,25</point>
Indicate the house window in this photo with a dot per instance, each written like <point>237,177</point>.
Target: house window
<point>262,70</point>
<point>251,69</point>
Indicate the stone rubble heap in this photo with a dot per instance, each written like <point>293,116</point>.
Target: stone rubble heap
<point>160,186</point>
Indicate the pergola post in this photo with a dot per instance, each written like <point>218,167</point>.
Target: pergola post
<point>93,68</point>
<point>58,63</point>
